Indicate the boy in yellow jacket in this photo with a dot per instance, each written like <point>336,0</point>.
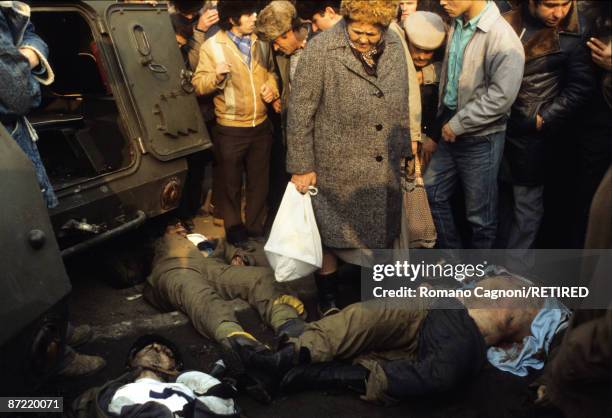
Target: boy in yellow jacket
<point>237,69</point>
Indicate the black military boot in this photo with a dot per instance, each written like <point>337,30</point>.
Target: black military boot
<point>292,328</point>
<point>328,375</point>
<point>327,289</point>
<point>259,385</point>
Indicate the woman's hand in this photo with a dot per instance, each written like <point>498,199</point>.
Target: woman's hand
<point>303,181</point>
<point>427,151</point>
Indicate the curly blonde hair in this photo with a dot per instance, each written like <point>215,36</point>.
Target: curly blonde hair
<point>374,12</point>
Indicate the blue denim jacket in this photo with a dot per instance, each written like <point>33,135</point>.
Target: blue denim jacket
<point>20,86</point>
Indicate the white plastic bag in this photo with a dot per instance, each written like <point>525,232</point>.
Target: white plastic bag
<point>294,247</point>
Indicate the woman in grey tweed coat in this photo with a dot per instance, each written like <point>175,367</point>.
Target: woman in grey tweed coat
<point>348,131</point>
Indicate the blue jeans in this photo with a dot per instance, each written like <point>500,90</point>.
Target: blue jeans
<point>21,135</point>
<point>474,161</point>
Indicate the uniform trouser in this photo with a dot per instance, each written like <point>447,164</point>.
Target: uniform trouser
<point>368,333</point>
<point>200,287</point>
<point>248,150</point>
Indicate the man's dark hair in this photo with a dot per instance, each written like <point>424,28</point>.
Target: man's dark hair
<point>307,8</point>
<point>231,10</point>
<point>187,6</point>
<point>598,17</point>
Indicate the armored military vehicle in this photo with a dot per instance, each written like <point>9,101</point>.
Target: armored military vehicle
<point>33,281</point>
<point>119,120</point>
<point>115,129</point>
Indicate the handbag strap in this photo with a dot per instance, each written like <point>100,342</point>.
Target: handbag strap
<point>418,177</point>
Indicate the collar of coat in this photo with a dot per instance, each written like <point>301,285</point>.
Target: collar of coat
<point>546,40</point>
<point>338,40</point>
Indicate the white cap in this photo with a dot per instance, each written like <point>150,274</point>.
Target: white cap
<point>425,30</point>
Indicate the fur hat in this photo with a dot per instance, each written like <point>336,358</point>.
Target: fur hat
<point>425,30</point>
<point>275,19</point>
<point>375,12</point>
<point>187,6</point>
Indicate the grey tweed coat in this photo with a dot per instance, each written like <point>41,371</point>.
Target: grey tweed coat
<point>352,130</point>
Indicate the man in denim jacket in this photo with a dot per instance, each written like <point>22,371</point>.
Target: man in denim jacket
<point>23,66</point>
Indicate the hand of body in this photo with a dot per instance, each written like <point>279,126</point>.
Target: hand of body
<point>303,181</point>
<point>267,94</point>
<point>601,53</point>
<point>222,70</point>
<point>207,20</point>
<point>428,148</point>
<point>277,106</point>
<point>420,78</point>
<point>539,122</point>
<point>447,134</point>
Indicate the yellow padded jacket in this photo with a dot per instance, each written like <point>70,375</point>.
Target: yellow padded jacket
<point>237,99</point>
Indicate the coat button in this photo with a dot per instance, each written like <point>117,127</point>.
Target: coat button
<point>379,94</point>
<point>379,127</point>
<point>379,158</point>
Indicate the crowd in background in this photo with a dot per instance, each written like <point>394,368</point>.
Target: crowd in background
<point>541,160</point>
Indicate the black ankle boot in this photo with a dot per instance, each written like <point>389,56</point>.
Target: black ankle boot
<point>327,289</point>
<point>292,328</point>
<point>329,375</point>
<point>273,363</point>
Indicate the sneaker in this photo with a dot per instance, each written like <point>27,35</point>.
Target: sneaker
<point>83,365</point>
<point>80,335</point>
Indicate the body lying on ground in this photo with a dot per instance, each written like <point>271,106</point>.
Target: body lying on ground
<point>397,348</point>
<point>183,278</point>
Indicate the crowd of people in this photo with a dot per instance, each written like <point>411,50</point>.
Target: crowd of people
<point>504,105</point>
<point>340,96</point>
<point>495,98</point>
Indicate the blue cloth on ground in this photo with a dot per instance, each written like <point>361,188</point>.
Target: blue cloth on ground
<point>531,353</point>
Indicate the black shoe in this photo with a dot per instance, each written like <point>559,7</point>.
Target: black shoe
<point>328,375</point>
<point>293,328</point>
<point>259,385</point>
<point>327,289</point>
<point>272,363</point>
<point>237,235</point>
<point>234,346</point>
<point>80,335</point>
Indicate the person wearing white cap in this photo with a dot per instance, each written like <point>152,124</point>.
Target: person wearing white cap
<point>426,33</point>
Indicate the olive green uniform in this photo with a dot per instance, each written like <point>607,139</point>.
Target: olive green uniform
<point>369,333</point>
<point>183,279</point>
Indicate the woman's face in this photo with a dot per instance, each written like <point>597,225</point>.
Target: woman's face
<point>364,36</point>
<point>420,57</point>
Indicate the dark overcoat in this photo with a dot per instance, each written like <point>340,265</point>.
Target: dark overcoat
<point>558,82</point>
<point>352,129</point>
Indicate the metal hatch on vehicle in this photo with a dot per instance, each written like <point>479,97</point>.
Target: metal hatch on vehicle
<point>160,87</point>
<point>33,278</point>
